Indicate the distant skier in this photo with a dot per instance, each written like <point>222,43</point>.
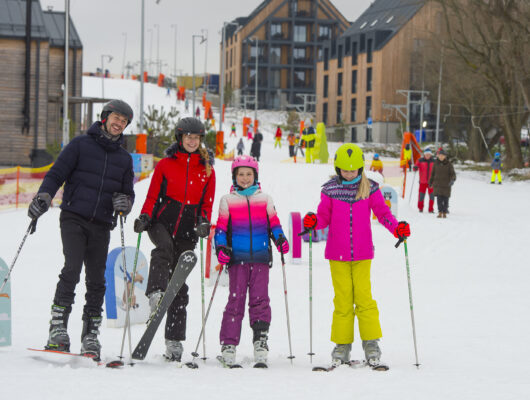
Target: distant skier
<point>291,139</point>
<point>187,105</point>
<point>377,164</point>
<point>176,211</point>
<point>407,157</point>
<point>250,132</point>
<point>442,178</point>
<point>98,181</point>
<point>425,166</point>
<point>233,130</point>
<point>346,203</point>
<point>308,141</point>
<point>278,137</point>
<point>247,221</point>
<point>496,164</point>
<point>240,147</point>
<point>198,112</point>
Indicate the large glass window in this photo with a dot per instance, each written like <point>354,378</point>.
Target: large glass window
<point>339,57</point>
<point>299,78</point>
<point>353,110</point>
<point>276,55</point>
<point>339,111</point>
<point>300,33</point>
<point>326,58</point>
<point>354,81</point>
<point>276,31</point>
<point>325,113</point>
<point>299,55</point>
<point>339,84</point>
<point>368,106</point>
<point>275,78</point>
<point>369,80</point>
<point>354,53</point>
<point>324,32</point>
<point>326,83</point>
<point>369,50</point>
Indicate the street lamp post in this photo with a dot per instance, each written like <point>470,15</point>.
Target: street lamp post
<point>157,26</point>
<point>109,57</point>
<point>205,34</point>
<point>222,78</point>
<point>124,52</point>
<point>66,121</point>
<point>256,83</point>
<point>193,65</point>
<point>175,55</point>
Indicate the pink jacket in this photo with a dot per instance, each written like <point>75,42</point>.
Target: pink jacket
<point>350,232</point>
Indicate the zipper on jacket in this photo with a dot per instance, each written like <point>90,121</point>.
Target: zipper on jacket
<point>100,186</point>
<point>351,230</point>
<point>250,227</point>
<point>184,200</point>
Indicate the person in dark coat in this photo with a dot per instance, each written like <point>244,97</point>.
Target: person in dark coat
<point>98,182</point>
<point>442,178</point>
<point>255,148</point>
<point>177,211</point>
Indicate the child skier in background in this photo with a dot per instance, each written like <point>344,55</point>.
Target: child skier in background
<point>240,147</point>
<point>496,164</point>
<point>278,137</point>
<point>233,130</point>
<point>345,206</point>
<point>247,220</point>
<point>425,165</point>
<point>377,164</point>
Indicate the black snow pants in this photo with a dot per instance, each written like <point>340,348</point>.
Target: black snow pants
<point>164,258</point>
<point>83,242</point>
<point>443,203</point>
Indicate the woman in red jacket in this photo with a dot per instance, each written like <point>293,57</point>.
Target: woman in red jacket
<point>177,209</point>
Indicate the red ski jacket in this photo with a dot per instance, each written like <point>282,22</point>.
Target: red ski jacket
<point>179,192</point>
<point>425,169</point>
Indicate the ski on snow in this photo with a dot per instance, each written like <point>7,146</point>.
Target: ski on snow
<point>186,262</point>
<point>225,365</point>
<point>353,364</point>
<point>66,353</point>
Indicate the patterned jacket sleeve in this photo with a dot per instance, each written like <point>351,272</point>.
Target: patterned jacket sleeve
<point>222,223</point>
<point>382,211</point>
<point>274,221</point>
<point>323,211</point>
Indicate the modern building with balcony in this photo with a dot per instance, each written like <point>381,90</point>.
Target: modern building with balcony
<point>284,39</point>
<point>361,71</point>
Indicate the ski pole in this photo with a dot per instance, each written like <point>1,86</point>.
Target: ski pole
<point>195,354</point>
<point>31,228</point>
<point>310,231</point>
<point>410,298</point>
<point>412,187</point>
<point>287,310</point>
<point>127,327</point>
<point>202,300</point>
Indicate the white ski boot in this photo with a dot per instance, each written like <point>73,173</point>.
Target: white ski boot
<point>372,352</point>
<point>228,354</point>
<point>174,350</point>
<point>261,349</point>
<point>341,354</point>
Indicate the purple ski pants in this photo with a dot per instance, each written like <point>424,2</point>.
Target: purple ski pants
<point>255,277</point>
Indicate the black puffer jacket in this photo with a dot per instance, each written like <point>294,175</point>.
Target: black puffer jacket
<point>92,167</point>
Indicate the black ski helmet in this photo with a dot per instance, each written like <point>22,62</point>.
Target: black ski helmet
<point>189,125</point>
<point>119,107</point>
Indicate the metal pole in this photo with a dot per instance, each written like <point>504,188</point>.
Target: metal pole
<point>66,121</point>
<point>206,80</point>
<point>222,77</point>
<point>102,78</point>
<point>287,310</point>
<point>193,70</point>
<point>439,99</point>
<point>256,89</point>
<point>142,67</point>
<point>411,305</point>
<point>124,53</point>
<point>408,112</point>
<point>150,63</point>
<point>157,49</point>
<point>175,56</point>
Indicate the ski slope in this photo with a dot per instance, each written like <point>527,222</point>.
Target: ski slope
<point>470,283</point>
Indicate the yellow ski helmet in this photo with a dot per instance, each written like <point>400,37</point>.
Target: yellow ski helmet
<point>349,157</point>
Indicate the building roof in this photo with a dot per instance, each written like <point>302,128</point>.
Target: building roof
<point>48,25</point>
<point>54,22</point>
<point>385,15</point>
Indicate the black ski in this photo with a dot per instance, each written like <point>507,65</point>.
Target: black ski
<point>186,262</point>
<point>224,364</point>
<point>378,367</point>
<point>351,364</point>
<point>261,365</point>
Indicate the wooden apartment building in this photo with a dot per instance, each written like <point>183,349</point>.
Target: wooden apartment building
<point>364,67</point>
<point>286,36</point>
<point>31,82</point>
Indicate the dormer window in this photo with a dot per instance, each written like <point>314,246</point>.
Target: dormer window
<point>373,23</point>
<point>363,25</point>
<point>389,19</point>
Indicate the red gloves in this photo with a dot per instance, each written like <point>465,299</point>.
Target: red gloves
<point>310,221</point>
<point>282,245</point>
<point>402,230</point>
<point>223,255</point>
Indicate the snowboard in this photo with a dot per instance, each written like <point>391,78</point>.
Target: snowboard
<point>186,262</point>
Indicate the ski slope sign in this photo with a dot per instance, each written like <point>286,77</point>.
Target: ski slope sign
<point>5,307</point>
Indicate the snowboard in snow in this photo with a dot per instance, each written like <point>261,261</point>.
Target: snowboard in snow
<point>185,264</point>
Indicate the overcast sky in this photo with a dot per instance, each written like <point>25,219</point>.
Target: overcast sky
<point>105,26</point>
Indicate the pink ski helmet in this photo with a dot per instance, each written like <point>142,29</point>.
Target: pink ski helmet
<point>245,161</point>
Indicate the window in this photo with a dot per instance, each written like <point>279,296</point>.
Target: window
<point>251,76</point>
<point>369,50</point>
<point>300,33</point>
<point>231,57</point>
<point>326,58</point>
<point>354,81</point>
<point>319,54</point>
<point>276,31</point>
<point>363,25</point>
<point>353,134</point>
<point>324,32</point>
<point>353,110</point>
<point>368,107</point>
<point>369,134</point>
<point>299,55</point>
<point>339,57</point>
<point>276,55</point>
<point>369,80</point>
<point>325,113</point>
<point>373,23</point>
<point>299,78</point>
<point>275,78</point>
<point>339,84</point>
<point>354,53</point>
<point>389,19</point>
<point>339,111</point>
<point>326,83</point>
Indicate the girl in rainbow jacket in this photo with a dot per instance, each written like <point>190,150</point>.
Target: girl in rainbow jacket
<point>247,221</point>
<point>345,205</point>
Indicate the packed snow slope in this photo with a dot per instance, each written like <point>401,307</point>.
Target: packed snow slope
<point>470,286</point>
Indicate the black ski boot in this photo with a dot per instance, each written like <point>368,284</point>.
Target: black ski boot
<point>90,345</point>
<point>58,338</point>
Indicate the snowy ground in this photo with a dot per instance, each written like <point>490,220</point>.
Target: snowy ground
<point>470,281</point>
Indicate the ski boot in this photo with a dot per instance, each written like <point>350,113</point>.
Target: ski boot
<point>90,345</point>
<point>174,350</point>
<point>58,338</point>
<point>228,354</point>
<point>341,354</point>
<point>154,301</point>
<point>261,349</point>
<point>372,352</point>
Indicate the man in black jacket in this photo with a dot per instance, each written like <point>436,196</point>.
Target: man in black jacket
<point>98,182</point>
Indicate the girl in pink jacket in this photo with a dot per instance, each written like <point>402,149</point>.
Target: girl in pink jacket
<point>345,206</point>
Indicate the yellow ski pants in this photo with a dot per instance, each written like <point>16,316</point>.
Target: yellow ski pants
<point>496,173</point>
<point>353,297</point>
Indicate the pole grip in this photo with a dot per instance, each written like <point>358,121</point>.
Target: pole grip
<point>401,240</point>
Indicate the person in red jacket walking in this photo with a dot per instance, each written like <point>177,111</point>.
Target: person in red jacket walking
<point>424,165</point>
<point>176,211</point>
<point>278,137</point>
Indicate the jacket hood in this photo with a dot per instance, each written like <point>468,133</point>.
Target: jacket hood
<point>175,148</point>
